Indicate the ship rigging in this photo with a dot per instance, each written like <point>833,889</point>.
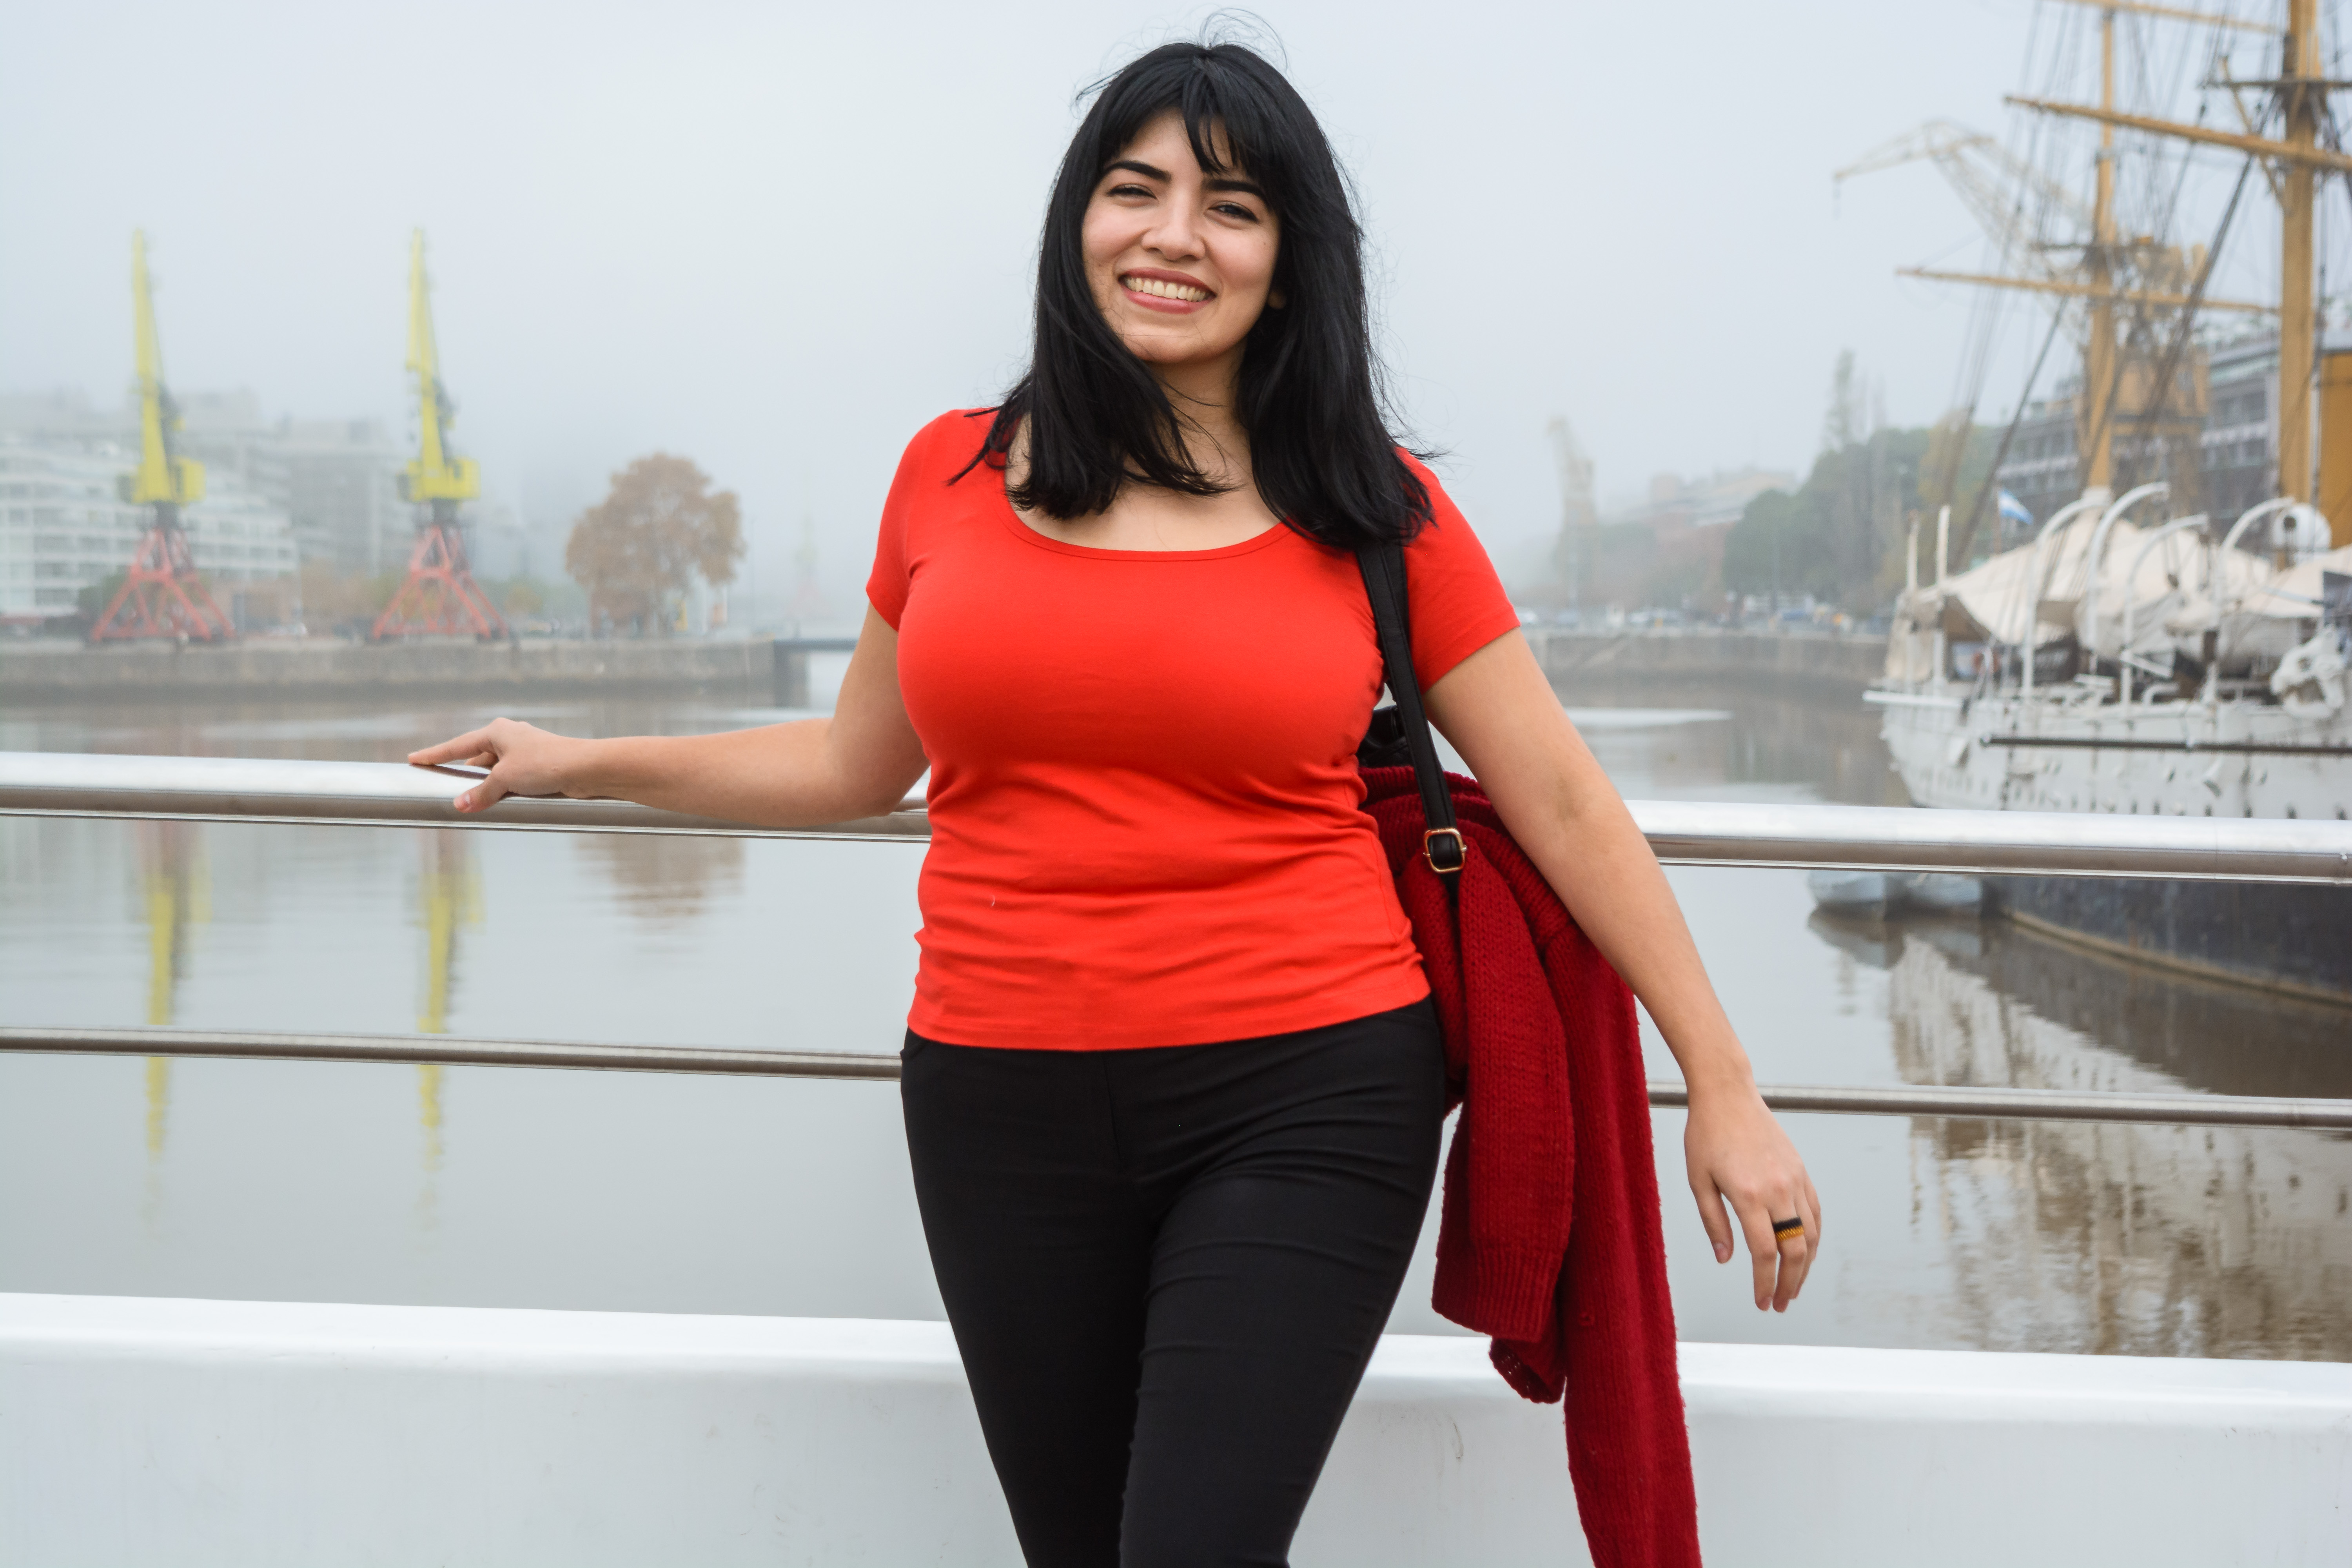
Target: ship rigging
<point>2144,652</point>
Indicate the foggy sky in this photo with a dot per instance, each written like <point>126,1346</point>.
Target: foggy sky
<point>777,238</point>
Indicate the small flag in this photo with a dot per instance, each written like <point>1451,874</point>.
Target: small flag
<point>2014,514</point>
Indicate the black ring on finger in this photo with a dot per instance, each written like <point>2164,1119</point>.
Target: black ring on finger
<point>1785,1228</point>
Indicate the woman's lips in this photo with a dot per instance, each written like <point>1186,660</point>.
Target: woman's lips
<point>1174,295</point>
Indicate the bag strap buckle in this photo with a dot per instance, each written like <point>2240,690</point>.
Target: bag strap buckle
<point>1449,860</point>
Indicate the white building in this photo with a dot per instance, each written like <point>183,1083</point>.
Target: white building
<point>64,526</point>
<point>337,478</point>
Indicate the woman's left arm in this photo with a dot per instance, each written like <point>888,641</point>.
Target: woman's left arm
<point>1501,714</point>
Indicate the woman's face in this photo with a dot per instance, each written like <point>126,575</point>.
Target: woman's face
<point>1181,261</point>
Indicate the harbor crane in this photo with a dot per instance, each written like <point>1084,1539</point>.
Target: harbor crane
<point>1579,519</point>
<point>1995,185</point>
<point>161,595</point>
<point>2138,384</point>
<point>439,596</point>
<point>2006,195</point>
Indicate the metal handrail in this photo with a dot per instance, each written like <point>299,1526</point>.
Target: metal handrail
<point>1891,838</point>
<point>1903,1100</point>
<point>350,795</point>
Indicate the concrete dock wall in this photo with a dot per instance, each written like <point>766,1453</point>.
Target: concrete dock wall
<point>1783,659</point>
<point>760,671</point>
<point>763,671</point>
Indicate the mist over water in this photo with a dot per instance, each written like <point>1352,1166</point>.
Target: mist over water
<point>513,1187</point>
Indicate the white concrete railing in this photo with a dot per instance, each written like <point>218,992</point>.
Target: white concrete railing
<point>387,795</point>
<point>212,1434</point>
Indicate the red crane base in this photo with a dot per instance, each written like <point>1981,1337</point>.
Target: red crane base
<point>440,597</point>
<point>161,596</point>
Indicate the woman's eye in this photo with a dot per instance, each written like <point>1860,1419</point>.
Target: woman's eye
<point>1234,210</point>
<point>1127,191</point>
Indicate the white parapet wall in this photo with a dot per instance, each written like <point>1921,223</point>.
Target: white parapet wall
<point>258,1434</point>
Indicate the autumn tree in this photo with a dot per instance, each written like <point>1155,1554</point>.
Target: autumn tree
<point>638,550</point>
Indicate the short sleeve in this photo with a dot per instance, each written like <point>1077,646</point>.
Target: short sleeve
<point>1455,602</point>
<point>885,587</point>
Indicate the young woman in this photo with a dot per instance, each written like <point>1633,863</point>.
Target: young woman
<point>1172,1081</point>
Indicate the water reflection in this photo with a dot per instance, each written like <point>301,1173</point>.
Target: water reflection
<point>2215,1038</point>
<point>449,895</point>
<point>712,1195</point>
<point>2221,1038</point>
<point>1825,743</point>
<point>173,897</point>
<point>2145,1240</point>
<point>663,878</point>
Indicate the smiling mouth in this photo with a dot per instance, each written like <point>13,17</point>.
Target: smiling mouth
<point>1163,289</point>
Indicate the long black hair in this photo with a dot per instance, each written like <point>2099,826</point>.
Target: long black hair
<point>1309,395</point>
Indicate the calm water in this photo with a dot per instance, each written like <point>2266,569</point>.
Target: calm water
<point>489,1186</point>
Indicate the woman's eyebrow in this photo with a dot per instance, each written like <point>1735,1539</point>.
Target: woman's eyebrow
<point>1215,183</point>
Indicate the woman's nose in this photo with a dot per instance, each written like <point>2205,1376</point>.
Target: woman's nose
<point>1176,235</point>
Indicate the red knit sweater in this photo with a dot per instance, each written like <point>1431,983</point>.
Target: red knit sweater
<point>1548,1240</point>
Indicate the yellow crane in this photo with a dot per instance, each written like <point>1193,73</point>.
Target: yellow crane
<point>161,595</point>
<point>439,596</point>
<point>437,476</point>
<point>163,477</point>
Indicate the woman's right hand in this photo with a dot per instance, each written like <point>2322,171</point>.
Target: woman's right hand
<point>523,759</point>
<point>857,761</point>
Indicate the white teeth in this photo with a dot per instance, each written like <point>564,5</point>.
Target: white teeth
<point>1165,290</point>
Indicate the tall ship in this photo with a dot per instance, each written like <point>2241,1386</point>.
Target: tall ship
<point>2165,624</point>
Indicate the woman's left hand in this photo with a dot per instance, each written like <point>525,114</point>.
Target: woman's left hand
<point>1500,712</point>
<point>1737,1153</point>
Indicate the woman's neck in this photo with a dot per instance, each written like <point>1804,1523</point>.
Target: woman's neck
<point>1203,395</point>
<point>1142,517</point>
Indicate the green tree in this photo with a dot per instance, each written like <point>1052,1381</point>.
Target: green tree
<point>1844,425</point>
<point>521,597</point>
<point>1840,537</point>
<point>90,602</point>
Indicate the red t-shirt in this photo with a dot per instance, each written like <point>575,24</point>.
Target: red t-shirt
<point>1146,823</point>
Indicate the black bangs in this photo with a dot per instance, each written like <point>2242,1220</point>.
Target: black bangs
<point>1310,394</point>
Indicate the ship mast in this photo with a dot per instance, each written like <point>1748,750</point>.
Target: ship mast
<point>2300,90</point>
<point>2097,439</point>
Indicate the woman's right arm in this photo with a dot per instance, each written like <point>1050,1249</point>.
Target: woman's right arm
<point>859,763</point>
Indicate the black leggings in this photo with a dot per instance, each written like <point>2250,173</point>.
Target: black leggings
<point>1167,1268</point>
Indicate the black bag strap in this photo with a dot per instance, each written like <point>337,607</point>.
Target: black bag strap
<point>1384,582</point>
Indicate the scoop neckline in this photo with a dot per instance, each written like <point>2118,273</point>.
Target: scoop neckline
<point>1012,520</point>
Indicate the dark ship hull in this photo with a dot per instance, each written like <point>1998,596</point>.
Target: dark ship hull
<point>2276,936</point>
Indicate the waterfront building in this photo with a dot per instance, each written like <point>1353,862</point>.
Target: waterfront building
<point>2240,443</point>
<point>2044,468</point>
<point>1669,546</point>
<point>342,493</point>
<point>336,480</point>
<point>1677,506</point>
<point>2235,444</point>
<point>64,526</point>
<point>499,545</point>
